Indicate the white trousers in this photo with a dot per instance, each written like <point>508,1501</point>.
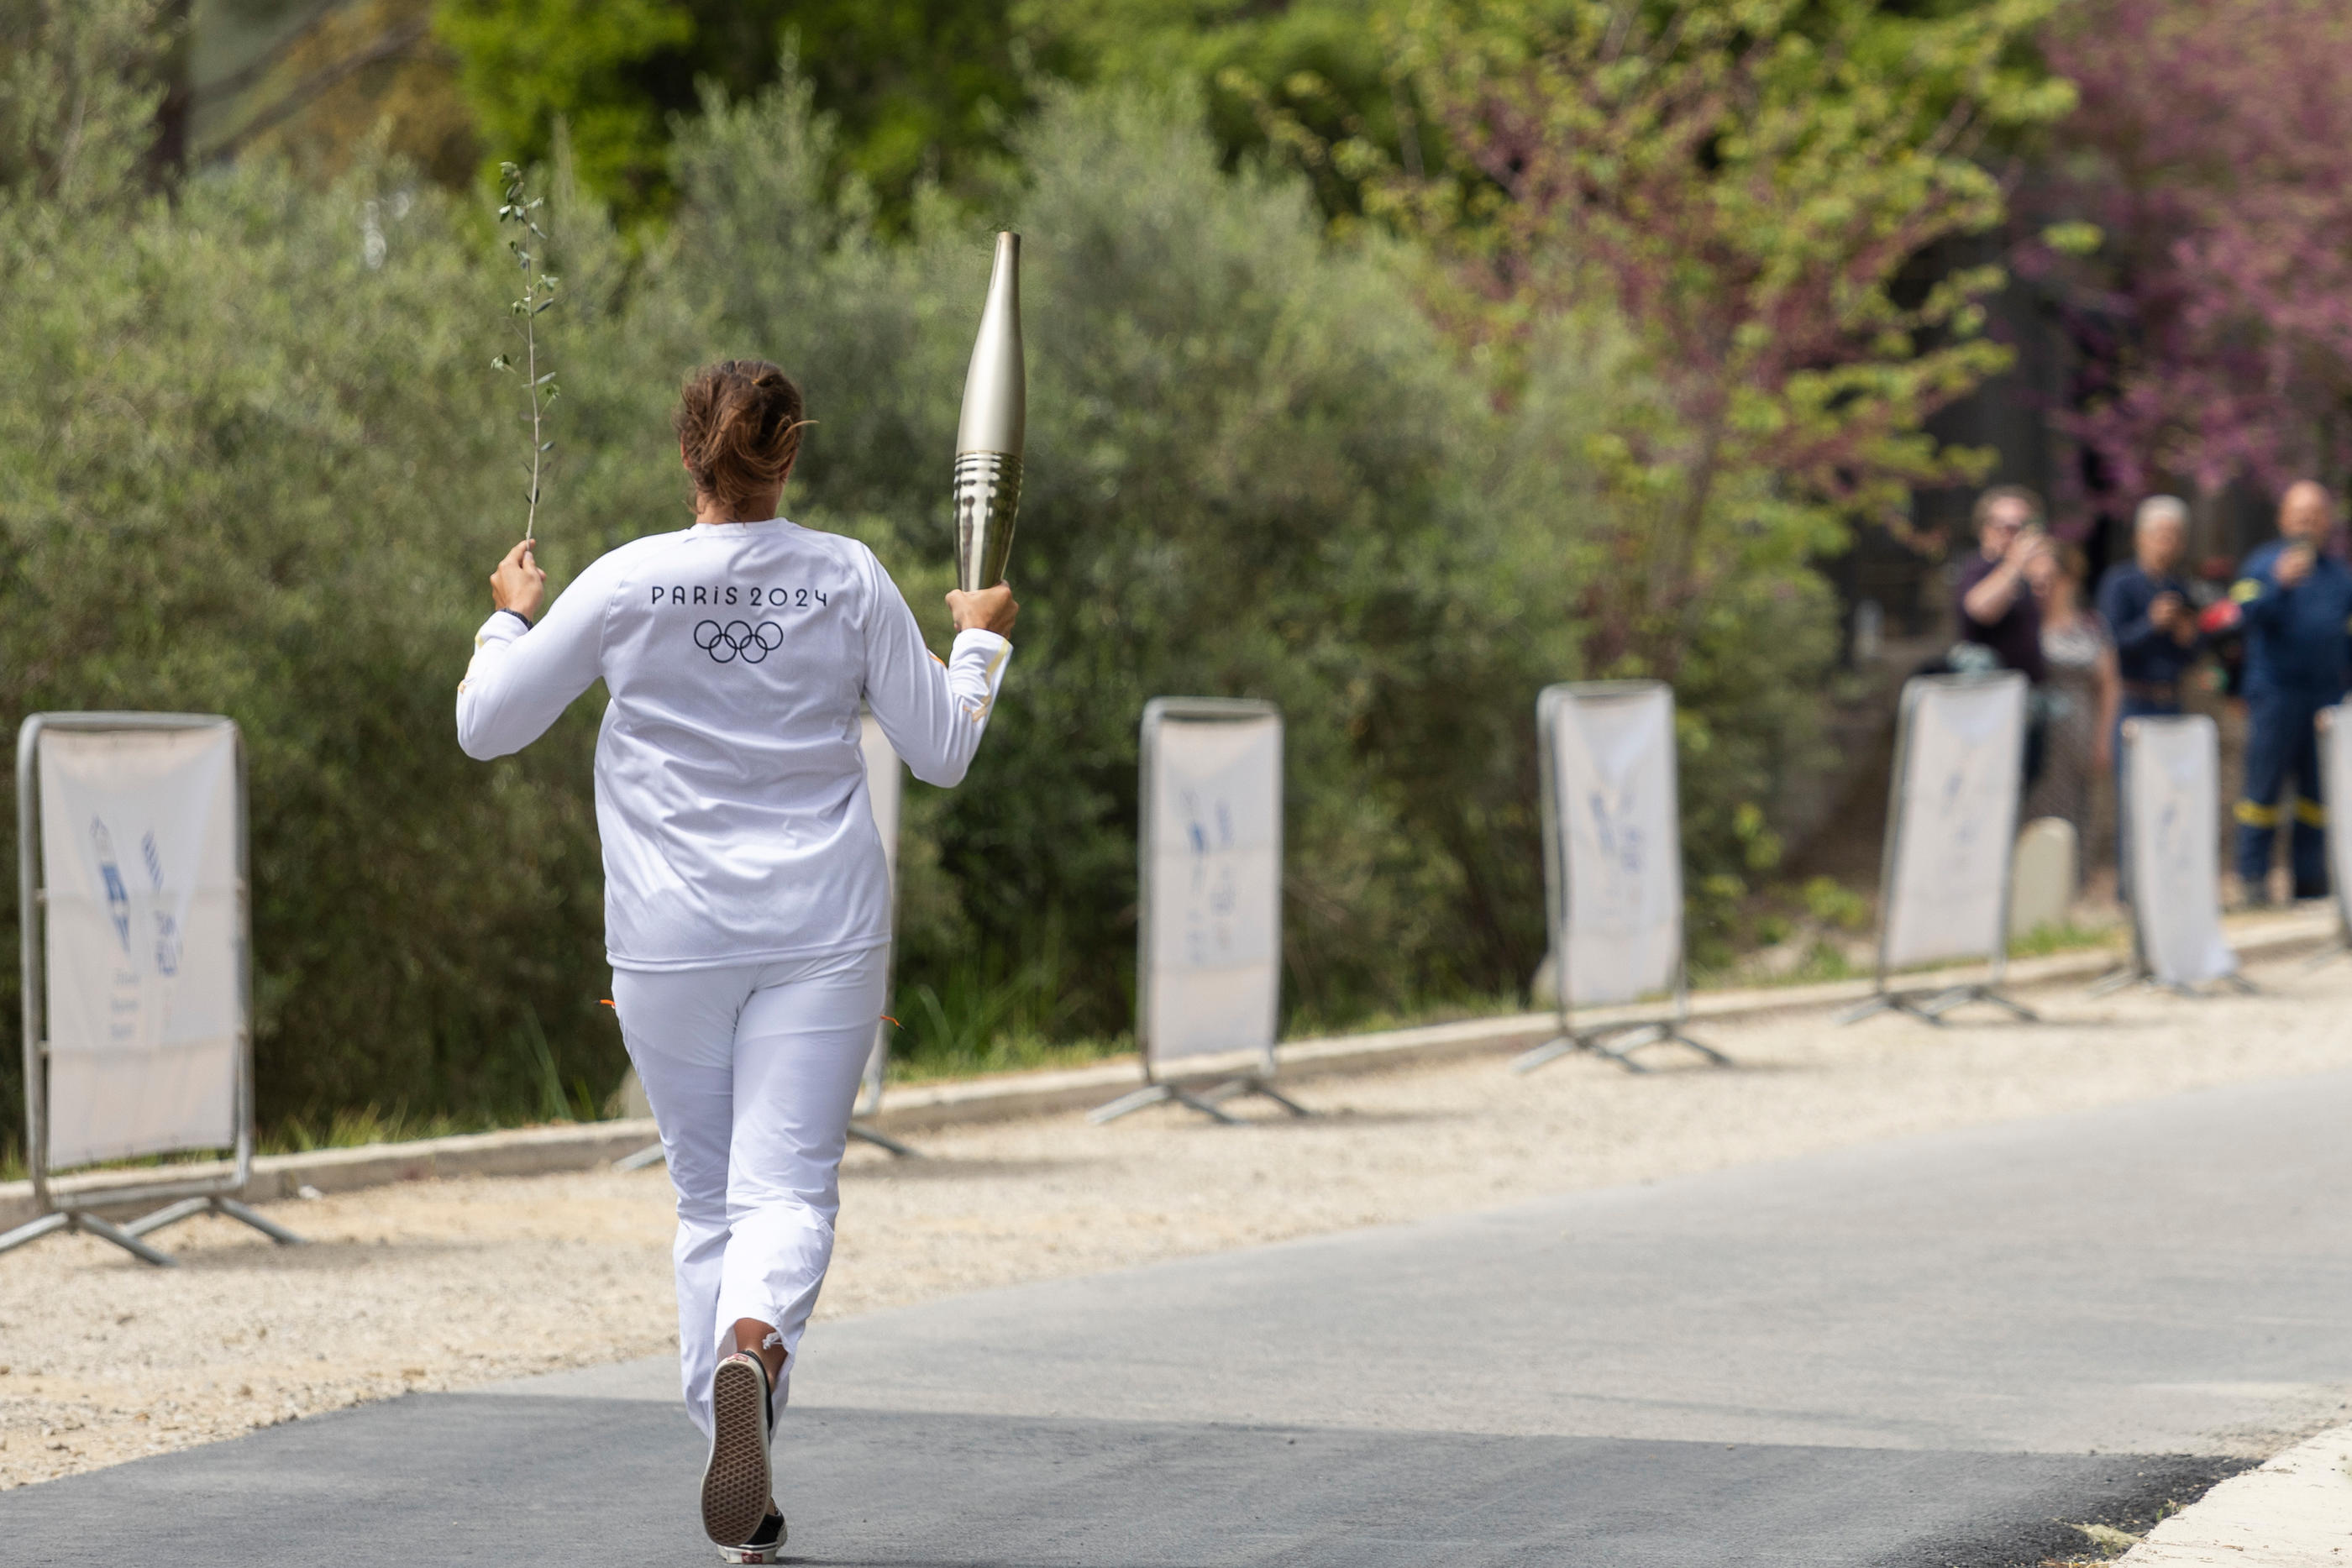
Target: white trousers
<point>751,1071</point>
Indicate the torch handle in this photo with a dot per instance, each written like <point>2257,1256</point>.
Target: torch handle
<point>987,498</point>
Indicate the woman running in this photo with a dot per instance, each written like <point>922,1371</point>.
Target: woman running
<point>747,908</point>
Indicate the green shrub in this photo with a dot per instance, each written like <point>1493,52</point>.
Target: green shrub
<point>242,471</point>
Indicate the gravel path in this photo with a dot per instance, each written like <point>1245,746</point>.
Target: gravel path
<point>439,1285</point>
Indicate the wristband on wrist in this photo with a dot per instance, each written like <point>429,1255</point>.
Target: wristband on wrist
<point>518,614</point>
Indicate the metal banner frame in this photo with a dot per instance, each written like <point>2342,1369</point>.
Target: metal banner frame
<point>1617,1040</point>
<point>2136,970</point>
<point>873,743</point>
<point>1930,1003</point>
<point>67,1207</point>
<point>1157,1089</point>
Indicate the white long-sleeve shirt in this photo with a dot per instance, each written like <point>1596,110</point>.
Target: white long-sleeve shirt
<point>730,791</point>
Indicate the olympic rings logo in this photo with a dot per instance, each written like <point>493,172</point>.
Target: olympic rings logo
<point>739,640</point>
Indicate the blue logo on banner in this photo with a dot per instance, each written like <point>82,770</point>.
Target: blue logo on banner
<point>167,930</point>
<point>117,897</point>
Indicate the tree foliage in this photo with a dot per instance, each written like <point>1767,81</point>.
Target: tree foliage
<point>2197,224</point>
<point>1748,186</point>
<point>526,65</point>
<point>1289,79</point>
<point>78,89</point>
<point>920,89</point>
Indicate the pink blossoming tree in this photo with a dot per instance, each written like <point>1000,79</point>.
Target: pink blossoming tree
<point>2212,151</point>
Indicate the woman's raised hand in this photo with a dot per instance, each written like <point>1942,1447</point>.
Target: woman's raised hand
<point>519,585</point>
<point>984,610</point>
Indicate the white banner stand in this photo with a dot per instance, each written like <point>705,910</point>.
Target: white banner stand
<point>885,778</point>
<point>2334,778</point>
<point>1951,831</point>
<point>1612,866</point>
<point>1208,972</point>
<point>2171,789</point>
<point>137,980</point>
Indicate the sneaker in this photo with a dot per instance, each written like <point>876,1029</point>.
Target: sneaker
<point>737,1485</point>
<point>766,1545</point>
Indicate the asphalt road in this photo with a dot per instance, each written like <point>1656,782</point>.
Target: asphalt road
<point>1931,1351</point>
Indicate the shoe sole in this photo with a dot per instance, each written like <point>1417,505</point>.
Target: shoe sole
<point>771,1553</point>
<point>737,1483</point>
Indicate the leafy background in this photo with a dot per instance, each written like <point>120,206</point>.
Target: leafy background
<point>1378,359</point>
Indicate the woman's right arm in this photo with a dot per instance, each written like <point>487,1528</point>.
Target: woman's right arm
<point>524,675</point>
<point>935,714</point>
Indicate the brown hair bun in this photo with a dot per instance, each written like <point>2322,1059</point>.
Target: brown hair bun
<point>739,424</point>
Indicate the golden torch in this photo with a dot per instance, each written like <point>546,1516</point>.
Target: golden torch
<point>988,437</point>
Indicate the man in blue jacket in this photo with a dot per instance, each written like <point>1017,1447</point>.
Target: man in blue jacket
<point>2145,604</point>
<point>2296,607</point>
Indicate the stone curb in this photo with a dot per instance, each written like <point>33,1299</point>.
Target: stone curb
<point>516,1151</point>
<point>2292,1512</point>
<point>920,1107</point>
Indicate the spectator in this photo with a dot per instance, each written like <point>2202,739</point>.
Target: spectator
<point>2083,693</point>
<point>1996,607</point>
<point>2294,602</point>
<point>2147,607</point>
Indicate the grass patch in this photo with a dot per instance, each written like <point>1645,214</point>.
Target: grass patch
<point>2044,940</point>
<point>944,1040</point>
<point>2108,1541</point>
<point>1306,1025</point>
<point>13,1168</point>
<point>1823,962</point>
<point>971,1058</point>
<point>371,1124</point>
<point>1828,960</point>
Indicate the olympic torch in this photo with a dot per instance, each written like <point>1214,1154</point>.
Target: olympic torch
<point>988,437</point>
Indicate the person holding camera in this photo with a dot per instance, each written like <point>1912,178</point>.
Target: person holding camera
<point>2294,602</point>
<point>1995,600</point>
<point>1999,610</point>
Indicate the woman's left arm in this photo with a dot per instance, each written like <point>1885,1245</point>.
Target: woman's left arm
<point>524,675</point>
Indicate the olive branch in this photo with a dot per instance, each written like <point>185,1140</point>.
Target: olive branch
<point>520,212</point>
